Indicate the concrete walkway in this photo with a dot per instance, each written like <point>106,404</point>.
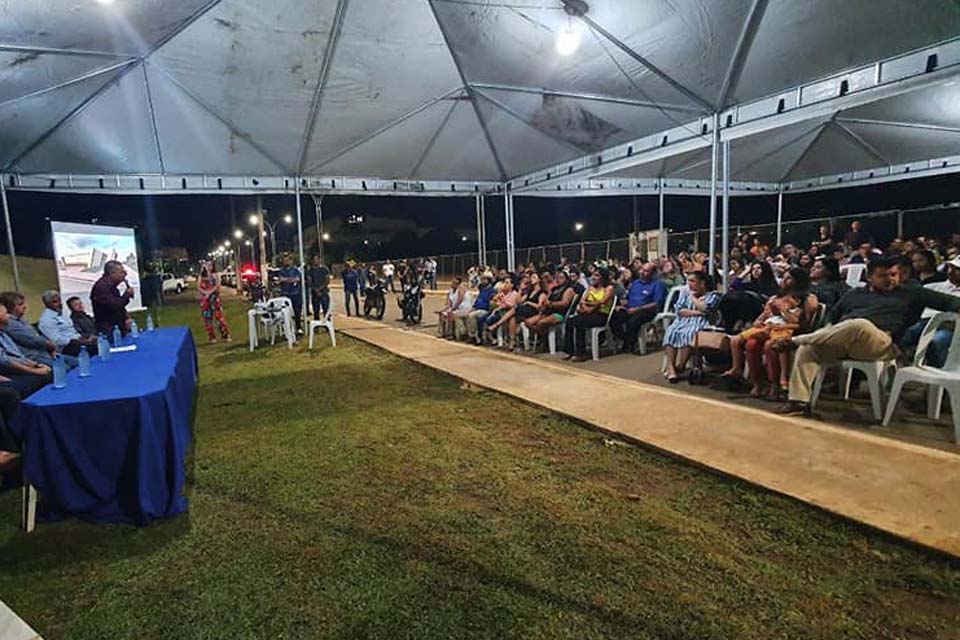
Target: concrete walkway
<point>905,489</point>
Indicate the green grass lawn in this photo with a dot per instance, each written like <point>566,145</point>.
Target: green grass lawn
<point>347,493</point>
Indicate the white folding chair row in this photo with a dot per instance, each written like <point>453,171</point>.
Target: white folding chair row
<point>938,381</point>
<point>326,322</point>
<point>875,371</point>
<point>596,332</point>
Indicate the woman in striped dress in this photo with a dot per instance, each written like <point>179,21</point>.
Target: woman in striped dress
<point>692,309</point>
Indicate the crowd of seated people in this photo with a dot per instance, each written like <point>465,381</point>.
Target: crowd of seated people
<point>27,354</point>
<point>788,311</point>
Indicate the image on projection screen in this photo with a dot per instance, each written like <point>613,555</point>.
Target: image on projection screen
<point>81,250</point>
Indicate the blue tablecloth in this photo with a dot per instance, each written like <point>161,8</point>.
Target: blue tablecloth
<point>111,447</point>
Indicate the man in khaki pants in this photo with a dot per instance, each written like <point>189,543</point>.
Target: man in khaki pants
<point>867,323</point>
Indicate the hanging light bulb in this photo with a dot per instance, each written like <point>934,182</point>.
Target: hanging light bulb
<point>568,40</point>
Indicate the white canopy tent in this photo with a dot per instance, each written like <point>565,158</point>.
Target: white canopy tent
<point>472,97</point>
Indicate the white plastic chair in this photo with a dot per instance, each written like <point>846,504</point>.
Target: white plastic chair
<point>666,317</point>
<point>275,322</point>
<point>324,323</point>
<point>876,372</point>
<point>854,274</point>
<point>937,380</point>
<point>649,331</point>
<point>558,330</point>
<point>596,332</point>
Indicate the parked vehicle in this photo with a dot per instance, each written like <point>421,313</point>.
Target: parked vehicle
<point>173,284</point>
<point>411,302</point>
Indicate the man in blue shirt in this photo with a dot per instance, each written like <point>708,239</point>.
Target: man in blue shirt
<point>351,284</point>
<point>18,371</point>
<point>644,300</point>
<point>468,324</point>
<point>290,283</point>
<point>59,329</point>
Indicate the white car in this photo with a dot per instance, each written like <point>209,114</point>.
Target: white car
<point>172,283</point>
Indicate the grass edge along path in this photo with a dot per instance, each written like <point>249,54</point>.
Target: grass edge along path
<point>347,493</point>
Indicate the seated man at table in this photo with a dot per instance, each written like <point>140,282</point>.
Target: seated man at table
<point>82,321</point>
<point>59,330</point>
<point>16,370</point>
<point>33,345</point>
<point>109,305</point>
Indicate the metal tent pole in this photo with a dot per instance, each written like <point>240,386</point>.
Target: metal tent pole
<point>712,269</point>
<point>483,229</point>
<point>262,236</point>
<point>303,265</point>
<point>780,216</point>
<point>661,237</point>
<point>479,231</point>
<point>508,219</point>
<point>726,214</point>
<point>6,219</point>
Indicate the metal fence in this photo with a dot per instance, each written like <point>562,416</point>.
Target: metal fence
<point>935,221</point>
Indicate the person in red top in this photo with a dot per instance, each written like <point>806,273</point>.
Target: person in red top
<point>109,305</point>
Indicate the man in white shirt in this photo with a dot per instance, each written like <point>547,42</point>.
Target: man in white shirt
<point>59,329</point>
<point>940,343</point>
<point>388,270</point>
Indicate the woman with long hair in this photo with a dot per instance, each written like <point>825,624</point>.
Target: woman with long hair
<point>593,312</point>
<point>211,309</point>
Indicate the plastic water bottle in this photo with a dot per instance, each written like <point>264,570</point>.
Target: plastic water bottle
<point>103,347</point>
<point>59,373</point>
<point>134,330</point>
<point>117,336</point>
<point>150,325</point>
<point>84,362</point>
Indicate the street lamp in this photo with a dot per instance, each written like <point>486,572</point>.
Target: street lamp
<point>238,234</point>
<point>272,227</point>
<point>578,226</point>
<point>326,236</point>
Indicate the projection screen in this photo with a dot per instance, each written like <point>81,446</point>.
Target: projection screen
<point>81,250</point>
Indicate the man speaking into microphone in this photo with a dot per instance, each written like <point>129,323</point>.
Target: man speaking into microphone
<point>109,305</point>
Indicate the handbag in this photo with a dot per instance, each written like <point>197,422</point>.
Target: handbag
<point>716,340</point>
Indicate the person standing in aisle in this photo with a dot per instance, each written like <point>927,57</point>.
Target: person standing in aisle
<point>351,282</point>
<point>388,270</point>
<point>211,307</point>
<point>319,279</point>
<point>290,288</point>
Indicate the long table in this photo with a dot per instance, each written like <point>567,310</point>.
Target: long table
<point>111,447</point>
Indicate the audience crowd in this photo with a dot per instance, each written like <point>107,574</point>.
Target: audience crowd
<point>787,311</point>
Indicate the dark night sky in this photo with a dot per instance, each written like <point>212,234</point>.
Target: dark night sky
<point>198,222</point>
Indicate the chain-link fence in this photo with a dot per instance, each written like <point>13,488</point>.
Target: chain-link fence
<point>936,221</point>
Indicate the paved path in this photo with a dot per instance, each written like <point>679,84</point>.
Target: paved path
<point>905,489</point>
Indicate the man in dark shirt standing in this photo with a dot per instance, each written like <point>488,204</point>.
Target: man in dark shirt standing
<point>109,305</point>
<point>289,278</point>
<point>319,278</point>
<point>867,325</point>
<point>857,236</point>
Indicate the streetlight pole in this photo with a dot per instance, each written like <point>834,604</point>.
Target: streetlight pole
<point>264,275</point>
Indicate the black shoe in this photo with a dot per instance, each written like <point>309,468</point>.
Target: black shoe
<point>793,408</point>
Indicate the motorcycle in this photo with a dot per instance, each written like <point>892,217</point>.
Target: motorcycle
<point>411,302</point>
<point>375,298</point>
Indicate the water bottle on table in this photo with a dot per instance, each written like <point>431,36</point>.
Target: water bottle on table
<point>134,330</point>
<point>103,347</point>
<point>150,325</point>
<point>117,336</point>
<point>59,373</point>
<point>83,362</point>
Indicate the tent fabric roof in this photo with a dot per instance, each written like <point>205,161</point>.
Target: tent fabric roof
<point>446,89</point>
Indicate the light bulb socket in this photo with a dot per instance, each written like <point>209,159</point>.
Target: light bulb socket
<point>576,8</point>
